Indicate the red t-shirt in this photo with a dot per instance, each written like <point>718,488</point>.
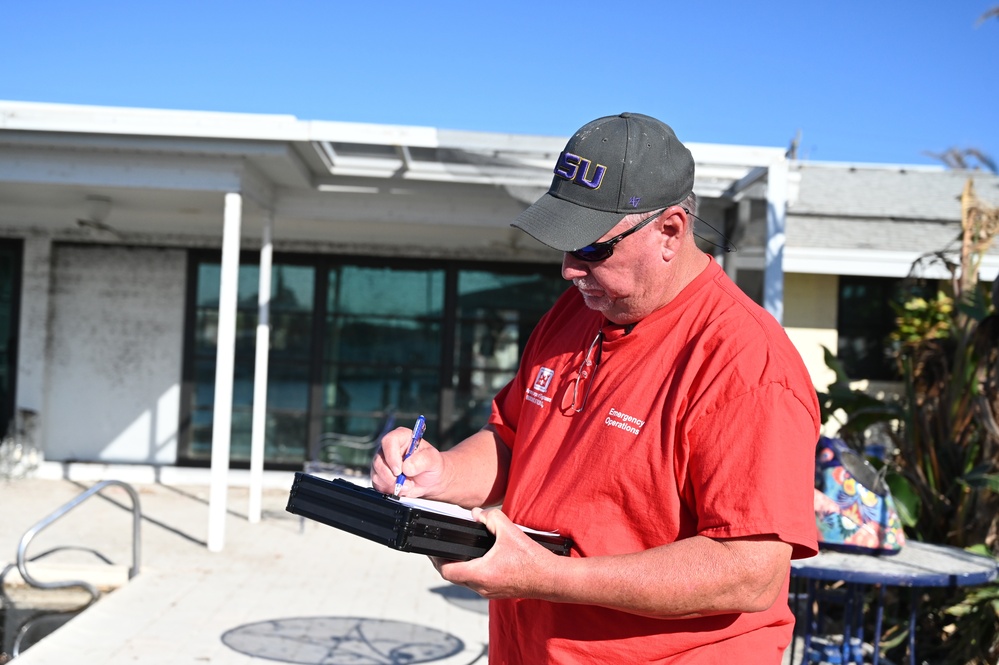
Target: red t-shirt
<point>701,419</point>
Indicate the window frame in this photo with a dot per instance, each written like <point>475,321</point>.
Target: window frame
<point>322,264</point>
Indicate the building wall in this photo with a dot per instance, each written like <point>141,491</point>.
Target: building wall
<point>114,354</point>
<point>114,358</point>
<point>33,340</point>
<point>104,374</point>
<point>810,320</point>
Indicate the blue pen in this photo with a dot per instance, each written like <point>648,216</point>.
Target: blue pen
<point>418,429</point>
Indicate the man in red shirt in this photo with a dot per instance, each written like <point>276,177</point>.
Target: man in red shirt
<point>659,418</point>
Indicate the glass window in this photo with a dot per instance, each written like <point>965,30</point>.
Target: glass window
<point>354,339</point>
<point>864,320</point>
<point>10,288</point>
<point>495,316</point>
<point>292,296</point>
<point>382,343</point>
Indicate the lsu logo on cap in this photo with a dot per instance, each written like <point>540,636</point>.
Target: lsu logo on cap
<point>543,379</point>
<point>577,169</point>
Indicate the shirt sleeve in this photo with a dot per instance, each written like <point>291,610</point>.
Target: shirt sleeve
<point>506,410</point>
<point>751,468</point>
<point>509,400</point>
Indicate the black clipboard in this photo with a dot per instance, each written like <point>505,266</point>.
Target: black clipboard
<point>370,514</point>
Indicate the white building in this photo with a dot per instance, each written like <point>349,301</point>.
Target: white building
<point>132,241</point>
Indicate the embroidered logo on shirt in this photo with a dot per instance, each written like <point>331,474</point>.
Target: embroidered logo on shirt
<point>543,379</point>
<point>623,421</point>
<point>541,384</point>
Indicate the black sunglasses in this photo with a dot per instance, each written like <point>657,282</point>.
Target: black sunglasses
<point>599,251</point>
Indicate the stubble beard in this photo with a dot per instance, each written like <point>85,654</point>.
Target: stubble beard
<point>600,303</point>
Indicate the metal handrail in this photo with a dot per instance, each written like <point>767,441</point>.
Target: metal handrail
<point>22,547</point>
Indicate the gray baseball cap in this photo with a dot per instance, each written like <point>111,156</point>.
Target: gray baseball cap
<point>612,167</point>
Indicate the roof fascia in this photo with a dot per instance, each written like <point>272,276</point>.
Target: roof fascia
<point>870,263</point>
<point>73,167</point>
<point>72,118</point>
<point>722,154</point>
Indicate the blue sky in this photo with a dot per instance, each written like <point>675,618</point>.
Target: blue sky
<point>861,81</point>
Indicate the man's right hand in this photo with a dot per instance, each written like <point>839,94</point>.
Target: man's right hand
<point>423,469</point>
<point>471,474</point>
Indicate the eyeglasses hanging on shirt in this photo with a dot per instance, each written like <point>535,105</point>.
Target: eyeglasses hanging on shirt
<point>586,374</point>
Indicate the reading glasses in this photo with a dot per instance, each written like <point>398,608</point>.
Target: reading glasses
<point>587,371</point>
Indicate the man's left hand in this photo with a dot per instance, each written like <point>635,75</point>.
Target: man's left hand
<point>514,567</point>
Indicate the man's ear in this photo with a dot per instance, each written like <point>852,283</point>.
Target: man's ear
<point>674,226</point>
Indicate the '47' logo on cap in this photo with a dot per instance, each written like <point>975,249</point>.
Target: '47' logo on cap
<point>577,169</point>
<point>543,379</point>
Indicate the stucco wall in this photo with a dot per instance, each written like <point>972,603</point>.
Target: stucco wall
<point>33,341</point>
<point>810,320</point>
<point>113,360</point>
<point>115,354</point>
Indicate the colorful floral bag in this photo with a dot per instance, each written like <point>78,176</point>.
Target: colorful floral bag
<point>854,510</point>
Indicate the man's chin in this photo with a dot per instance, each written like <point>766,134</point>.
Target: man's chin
<point>599,303</point>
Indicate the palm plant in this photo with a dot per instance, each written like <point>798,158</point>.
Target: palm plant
<point>944,430</point>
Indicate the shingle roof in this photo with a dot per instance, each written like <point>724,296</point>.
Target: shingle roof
<point>842,206</point>
<point>887,192</point>
<point>878,220</point>
<point>871,233</point>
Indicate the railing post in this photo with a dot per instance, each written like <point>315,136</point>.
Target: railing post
<point>22,547</point>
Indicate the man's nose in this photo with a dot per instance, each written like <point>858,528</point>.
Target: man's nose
<point>573,268</point>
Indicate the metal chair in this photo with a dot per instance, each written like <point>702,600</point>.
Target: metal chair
<point>335,452</point>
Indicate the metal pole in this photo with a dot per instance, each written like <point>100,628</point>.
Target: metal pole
<point>258,436</point>
<point>224,368</point>
<point>773,269</point>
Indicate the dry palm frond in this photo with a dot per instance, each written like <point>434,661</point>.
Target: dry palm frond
<point>979,226</point>
<point>965,159</point>
<point>994,12</point>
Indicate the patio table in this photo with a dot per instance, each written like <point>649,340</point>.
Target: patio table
<point>916,565</point>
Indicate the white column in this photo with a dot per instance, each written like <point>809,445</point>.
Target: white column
<point>773,269</point>
<point>260,371</point>
<point>224,369</point>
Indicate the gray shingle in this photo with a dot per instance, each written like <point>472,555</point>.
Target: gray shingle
<point>843,206</point>
<point>892,192</point>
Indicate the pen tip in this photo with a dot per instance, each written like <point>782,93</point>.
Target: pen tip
<point>398,488</point>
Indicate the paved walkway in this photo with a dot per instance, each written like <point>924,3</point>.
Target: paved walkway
<point>277,591</point>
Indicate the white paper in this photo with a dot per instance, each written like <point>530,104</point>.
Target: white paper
<point>439,507</point>
<point>443,508</point>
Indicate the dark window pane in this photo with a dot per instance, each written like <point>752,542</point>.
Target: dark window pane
<point>292,297</point>
<point>382,346</point>
<point>360,391</point>
<point>203,398</point>
<point>291,336</point>
<point>10,280</point>
<point>489,290</point>
<point>866,318</point>
<point>292,289</point>
<point>207,291</point>
<point>496,314</point>
<point>385,343</point>
<point>386,291</point>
